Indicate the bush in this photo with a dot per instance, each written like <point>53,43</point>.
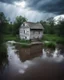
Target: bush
<point>50,37</point>
<point>51,45</point>
<point>3,53</point>
<point>60,41</point>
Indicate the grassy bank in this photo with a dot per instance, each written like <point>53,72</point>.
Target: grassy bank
<point>52,37</point>
<point>53,40</point>
<point>10,38</point>
<point>14,38</point>
<point>46,37</point>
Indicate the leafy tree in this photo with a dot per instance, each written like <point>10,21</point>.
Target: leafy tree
<point>19,20</point>
<point>3,50</point>
<point>44,24</point>
<point>60,28</point>
<point>9,28</point>
<point>2,26</point>
<point>51,25</point>
<point>48,26</point>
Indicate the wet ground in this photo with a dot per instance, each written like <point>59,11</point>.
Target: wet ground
<point>38,68</point>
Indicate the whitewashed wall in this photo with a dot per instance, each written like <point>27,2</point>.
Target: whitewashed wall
<point>36,34</point>
<point>24,33</point>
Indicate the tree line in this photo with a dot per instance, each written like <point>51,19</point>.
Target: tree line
<point>52,27</point>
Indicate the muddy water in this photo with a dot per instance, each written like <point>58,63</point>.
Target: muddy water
<point>38,68</point>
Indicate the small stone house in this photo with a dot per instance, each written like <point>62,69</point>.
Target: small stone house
<point>31,31</point>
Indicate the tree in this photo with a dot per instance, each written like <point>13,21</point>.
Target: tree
<point>19,20</point>
<point>60,28</point>
<point>3,50</point>
<point>48,25</point>
<point>51,25</point>
<point>2,26</point>
<point>44,24</point>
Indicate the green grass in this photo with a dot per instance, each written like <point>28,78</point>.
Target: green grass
<point>50,44</point>
<point>24,41</point>
<point>23,45</point>
<point>51,37</point>
<point>14,38</point>
<point>10,37</point>
<point>46,37</point>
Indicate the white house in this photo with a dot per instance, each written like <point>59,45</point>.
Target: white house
<point>30,31</point>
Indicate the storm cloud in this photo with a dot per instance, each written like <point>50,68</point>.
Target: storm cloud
<point>9,1</point>
<point>34,10</point>
<point>52,6</point>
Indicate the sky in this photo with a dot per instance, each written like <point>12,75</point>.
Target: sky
<point>33,10</point>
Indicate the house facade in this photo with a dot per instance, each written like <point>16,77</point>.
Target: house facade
<point>31,31</point>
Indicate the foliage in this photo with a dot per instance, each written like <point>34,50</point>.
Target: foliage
<point>24,41</point>
<point>15,38</point>
<point>50,37</point>
<point>3,54</point>
<point>48,26</point>
<point>60,28</point>
<point>23,45</point>
<point>19,20</point>
<point>3,50</point>
<point>61,41</point>
<point>50,45</point>
<point>3,22</point>
<point>10,37</point>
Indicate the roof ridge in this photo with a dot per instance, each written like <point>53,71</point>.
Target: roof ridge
<point>33,22</point>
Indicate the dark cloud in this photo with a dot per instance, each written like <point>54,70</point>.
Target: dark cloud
<point>11,11</point>
<point>9,1</point>
<point>52,6</point>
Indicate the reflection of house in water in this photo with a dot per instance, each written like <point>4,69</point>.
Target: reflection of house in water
<point>30,30</point>
<point>30,51</point>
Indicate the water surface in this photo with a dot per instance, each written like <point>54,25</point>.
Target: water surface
<point>38,68</point>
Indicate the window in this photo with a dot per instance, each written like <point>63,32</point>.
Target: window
<point>39,32</point>
<point>24,31</point>
<point>25,37</point>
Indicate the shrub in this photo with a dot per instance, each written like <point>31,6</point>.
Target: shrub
<point>51,45</point>
<point>3,53</point>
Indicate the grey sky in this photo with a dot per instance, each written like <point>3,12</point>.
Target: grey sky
<point>34,10</point>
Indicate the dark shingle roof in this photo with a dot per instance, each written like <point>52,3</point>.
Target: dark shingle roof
<point>33,25</point>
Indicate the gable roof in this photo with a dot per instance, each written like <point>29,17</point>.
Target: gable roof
<point>32,25</point>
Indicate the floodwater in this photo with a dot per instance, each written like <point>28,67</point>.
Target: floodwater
<point>38,68</point>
